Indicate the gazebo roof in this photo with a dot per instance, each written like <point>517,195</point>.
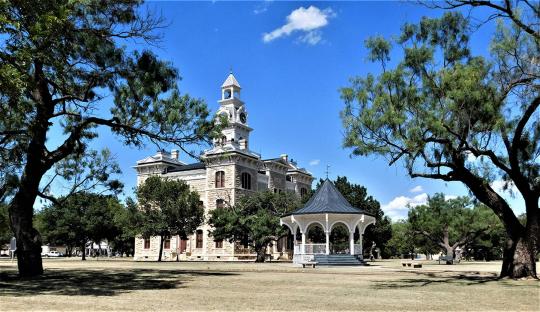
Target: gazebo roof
<point>327,199</point>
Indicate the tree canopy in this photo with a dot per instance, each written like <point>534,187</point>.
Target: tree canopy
<point>166,208</point>
<point>449,223</point>
<point>253,220</point>
<point>450,115</point>
<point>82,217</point>
<point>67,65</point>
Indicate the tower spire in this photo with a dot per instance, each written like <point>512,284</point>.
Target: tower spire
<point>327,170</point>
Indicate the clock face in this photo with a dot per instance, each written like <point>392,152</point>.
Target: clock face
<point>243,117</point>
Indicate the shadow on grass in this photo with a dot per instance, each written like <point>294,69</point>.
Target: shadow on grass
<point>423,279</point>
<point>97,282</point>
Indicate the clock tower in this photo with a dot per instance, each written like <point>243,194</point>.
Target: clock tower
<point>236,134</point>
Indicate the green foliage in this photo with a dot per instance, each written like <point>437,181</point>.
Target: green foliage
<point>447,114</point>
<point>5,230</point>
<point>81,218</point>
<point>402,242</point>
<point>452,223</point>
<point>166,208</point>
<point>73,67</point>
<point>253,220</point>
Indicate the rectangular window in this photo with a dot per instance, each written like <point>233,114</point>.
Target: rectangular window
<point>220,179</point>
<point>219,243</point>
<point>147,243</point>
<point>199,239</point>
<point>167,243</point>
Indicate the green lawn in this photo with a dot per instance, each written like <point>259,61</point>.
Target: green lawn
<point>125,285</point>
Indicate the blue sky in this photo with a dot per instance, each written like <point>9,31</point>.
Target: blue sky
<point>291,58</point>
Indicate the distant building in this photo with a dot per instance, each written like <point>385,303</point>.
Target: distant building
<point>229,170</point>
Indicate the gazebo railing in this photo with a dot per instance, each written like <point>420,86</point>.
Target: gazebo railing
<point>311,249</point>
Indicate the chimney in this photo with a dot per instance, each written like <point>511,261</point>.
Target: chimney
<point>285,157</point>
<point>174,154</point>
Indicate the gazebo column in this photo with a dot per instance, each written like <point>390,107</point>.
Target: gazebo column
<point>351,241</point>
<point>303,243</point>
<point>327,243</point>
<point>361,245</point>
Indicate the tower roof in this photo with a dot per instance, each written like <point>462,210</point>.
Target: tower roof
<point>328,199</point>
<point>230,81</point>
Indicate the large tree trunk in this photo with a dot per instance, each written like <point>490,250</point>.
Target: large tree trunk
<point>21,213</point>
<point>519,257</point>
<point>522,243</point>
<point>160,248</point>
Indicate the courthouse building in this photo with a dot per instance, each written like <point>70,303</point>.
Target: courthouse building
<point>228,171</point>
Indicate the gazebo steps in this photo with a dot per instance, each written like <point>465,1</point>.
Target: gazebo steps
<point>338,260</point>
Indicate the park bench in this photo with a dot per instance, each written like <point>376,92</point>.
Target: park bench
<point>413,264</point>
<point>311,263</point>
<point>447,259</point>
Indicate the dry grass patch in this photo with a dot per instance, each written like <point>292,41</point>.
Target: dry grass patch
<point>125,285</point>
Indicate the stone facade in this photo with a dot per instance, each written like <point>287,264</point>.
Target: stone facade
<point>228,171</point>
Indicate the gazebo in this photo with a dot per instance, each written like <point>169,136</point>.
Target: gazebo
<point>328,208</point>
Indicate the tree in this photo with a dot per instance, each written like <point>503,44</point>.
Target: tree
<point>126,220</point>
<point>253,220</point>
<point>402,241</point>
<point>490,243</point>
<point>5,231</point>
<point>449,224</point>
<point>452,116</point>
<point>81,218</point>
<point>67,64</point>
<point>168,207</point>
<point>357,195</point>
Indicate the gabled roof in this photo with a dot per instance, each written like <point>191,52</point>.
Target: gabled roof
<point>230,81</point>
<point>160,157</point>
<point>328,199</point>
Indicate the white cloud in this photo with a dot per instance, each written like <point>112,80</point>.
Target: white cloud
<point>397,208</point>
<point>314,162</point>
<point>305,20</point>
<point>449,197</point>
<point>311,38</point>
<point>416,189</point>
<point>262,7</point>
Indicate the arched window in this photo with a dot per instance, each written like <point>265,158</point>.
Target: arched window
<point>246,180</point>
<point>220,179</point>
<point>303,192</point>
<point>220,203</point>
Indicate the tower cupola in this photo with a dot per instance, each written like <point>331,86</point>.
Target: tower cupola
<point>230,89</point>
